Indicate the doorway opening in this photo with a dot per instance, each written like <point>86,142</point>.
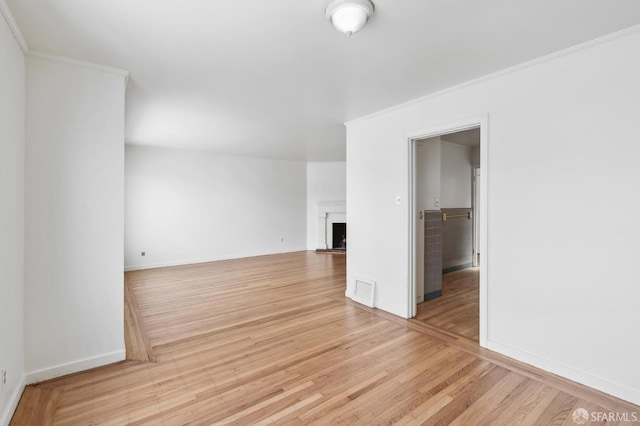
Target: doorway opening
<point>447,228</point>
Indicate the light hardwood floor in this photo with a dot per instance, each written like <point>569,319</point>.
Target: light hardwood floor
<point>273,340</point>
<point>456,310</point>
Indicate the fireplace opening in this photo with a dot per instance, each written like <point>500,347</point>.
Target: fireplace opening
<point>339,236</point>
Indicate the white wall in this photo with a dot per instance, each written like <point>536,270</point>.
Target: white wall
<point>562,282</point>
<point>428,173</point>
<point>74,218</point>
<point>475,157</point>
<point>189,206</point>
<point>325,182</point>
<point>456,176</point>
<point>12,113</point>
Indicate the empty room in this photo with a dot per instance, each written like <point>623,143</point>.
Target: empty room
<point>319,212</point>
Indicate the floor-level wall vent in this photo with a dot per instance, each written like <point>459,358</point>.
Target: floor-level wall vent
<point>364,291</point>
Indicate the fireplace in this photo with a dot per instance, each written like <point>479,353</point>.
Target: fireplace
<point>339,236</point>
<point>330,214</point>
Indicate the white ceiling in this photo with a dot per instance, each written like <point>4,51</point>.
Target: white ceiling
<point>469,138</point>
<point>274,79</point>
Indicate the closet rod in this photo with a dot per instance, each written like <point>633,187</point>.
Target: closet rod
<point>445,216</point>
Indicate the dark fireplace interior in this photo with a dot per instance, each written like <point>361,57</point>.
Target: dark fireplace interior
<point>339,236</point>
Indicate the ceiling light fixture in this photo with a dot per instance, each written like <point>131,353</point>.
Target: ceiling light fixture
<point>349,16</point>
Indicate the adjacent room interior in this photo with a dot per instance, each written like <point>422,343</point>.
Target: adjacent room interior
<point>447,232</point>
<point>209,212</point>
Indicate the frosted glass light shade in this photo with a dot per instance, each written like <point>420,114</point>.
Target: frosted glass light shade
<point>349,16</point>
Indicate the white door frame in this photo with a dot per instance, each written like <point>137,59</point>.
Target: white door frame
<point>476,224</point>
<point>480,121</point>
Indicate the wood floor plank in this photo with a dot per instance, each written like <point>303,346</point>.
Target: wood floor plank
<point>457,310</point>
<point>273,340</point>
<point>136,341</point>
<point>37,406</point>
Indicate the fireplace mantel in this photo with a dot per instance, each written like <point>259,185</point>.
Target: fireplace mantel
<point>329,212</point>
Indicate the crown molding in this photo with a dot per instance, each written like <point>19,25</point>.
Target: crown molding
<point>564,52</point>
<point>79,63</point>
<point>22,42</point>
<point>15,29</point>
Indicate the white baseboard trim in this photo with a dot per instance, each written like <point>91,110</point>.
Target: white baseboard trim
<point>206,260</point>
<point>74,367</point>
<point>383,307</point>
<point>7,414</point>
<point>399,312</point>
<point>598,383</point>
